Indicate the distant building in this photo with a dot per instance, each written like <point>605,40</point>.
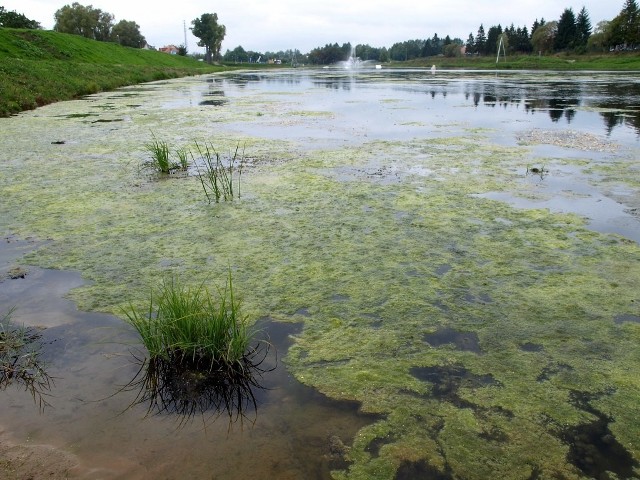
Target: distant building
<point>172,49</point>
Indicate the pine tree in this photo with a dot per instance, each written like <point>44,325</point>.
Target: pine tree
<point>471,43</point>
<point>583,26</point>
<point>567,31</point>
<point>481,40</point>
<point>630,23</point>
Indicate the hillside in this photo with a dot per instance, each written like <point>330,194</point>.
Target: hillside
<point>38,67</point>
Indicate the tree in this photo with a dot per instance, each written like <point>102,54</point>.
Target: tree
<point>630,23</point>
<point>600,40</point>
<point>583,27</point>
<point>567,31</point>
<point>407,50</point>
<point>470,45</point>
<point>127,34</point>
<point>210,33</point>
<point>481,40</point>
<point>493,38</point>
<point>452,49</point>
<point>237,55</point>
<point>86,21</point>
<point>14,19</point>
<point>544,36</point>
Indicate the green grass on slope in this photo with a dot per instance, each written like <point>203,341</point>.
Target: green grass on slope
<point>39,67</point>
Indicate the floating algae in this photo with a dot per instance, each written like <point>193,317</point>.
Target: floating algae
<point>465,323</point>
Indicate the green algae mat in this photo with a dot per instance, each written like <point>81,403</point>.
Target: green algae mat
<point>488,340</point>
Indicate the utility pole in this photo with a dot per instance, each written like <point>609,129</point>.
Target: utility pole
<point>184,24</point>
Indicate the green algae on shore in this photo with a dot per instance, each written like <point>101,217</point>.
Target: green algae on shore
<point>394,261</point>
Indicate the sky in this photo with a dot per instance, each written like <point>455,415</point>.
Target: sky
<point>275,25</point>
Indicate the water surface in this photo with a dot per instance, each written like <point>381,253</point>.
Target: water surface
<point>459,252</point>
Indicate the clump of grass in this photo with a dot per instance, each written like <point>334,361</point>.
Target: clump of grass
<point>183,158</point>
<point>199,351</point>
<point>159,153</point>
<point>20,360</point>
<point>217,179</point>
<point>188,324</point>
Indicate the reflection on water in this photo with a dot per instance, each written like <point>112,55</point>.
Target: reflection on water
<point>185,390</point>
<point>21,363</point>
<point>563,97</point>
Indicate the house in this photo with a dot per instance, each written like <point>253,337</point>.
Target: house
<point>172,49</point>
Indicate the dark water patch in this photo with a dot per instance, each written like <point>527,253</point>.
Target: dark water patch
<point>80,115</point>
<point>443,270</point>
<point>219,102</point>
<point>377,443</point>
<point>108,120</point>
<point>421,470</point>
<point>465,341</point>
<point>553,370</point>
<point>340,298</point>
<point>125,95</point>
<point>531,347</point>
<point>447,381</point>
<point>536,473</point>
<point>592,446</point>
<point>485,298</point>
<point>627,317</point>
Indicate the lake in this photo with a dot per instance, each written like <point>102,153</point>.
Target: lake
<point>447,266</point>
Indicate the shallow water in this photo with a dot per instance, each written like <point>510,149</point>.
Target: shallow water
<point>90,358</point>
<point>483,340</point>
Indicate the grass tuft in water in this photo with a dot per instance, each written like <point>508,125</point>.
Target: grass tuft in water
<point>186,324</point>
<point>160,156</point>
<point>183,158</point>
<point>200,357</point>
<point>217,179</point>
<point>20,360</point>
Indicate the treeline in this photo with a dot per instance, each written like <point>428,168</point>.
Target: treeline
<point>570,33</point>
<point>93,23</point>
<point>85,21</point>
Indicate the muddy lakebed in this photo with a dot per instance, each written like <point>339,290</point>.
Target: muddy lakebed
<point>447,264</point>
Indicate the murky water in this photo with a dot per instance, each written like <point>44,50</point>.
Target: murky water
<point>560,143</point>
<point>89,357</point>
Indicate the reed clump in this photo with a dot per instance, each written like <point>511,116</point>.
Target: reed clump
<point>159,156</point>
<point>216,177</point>
<point>188,325</point>
<point>200,357</point>
<point>219,177</point>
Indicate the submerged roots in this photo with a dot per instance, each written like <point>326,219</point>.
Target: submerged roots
<point>190,386</point>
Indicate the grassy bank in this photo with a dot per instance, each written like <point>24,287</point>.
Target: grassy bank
<point>613,61</point>
<point>40,67</point>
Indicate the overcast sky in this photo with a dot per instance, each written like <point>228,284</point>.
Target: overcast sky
<point>287,24</point>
